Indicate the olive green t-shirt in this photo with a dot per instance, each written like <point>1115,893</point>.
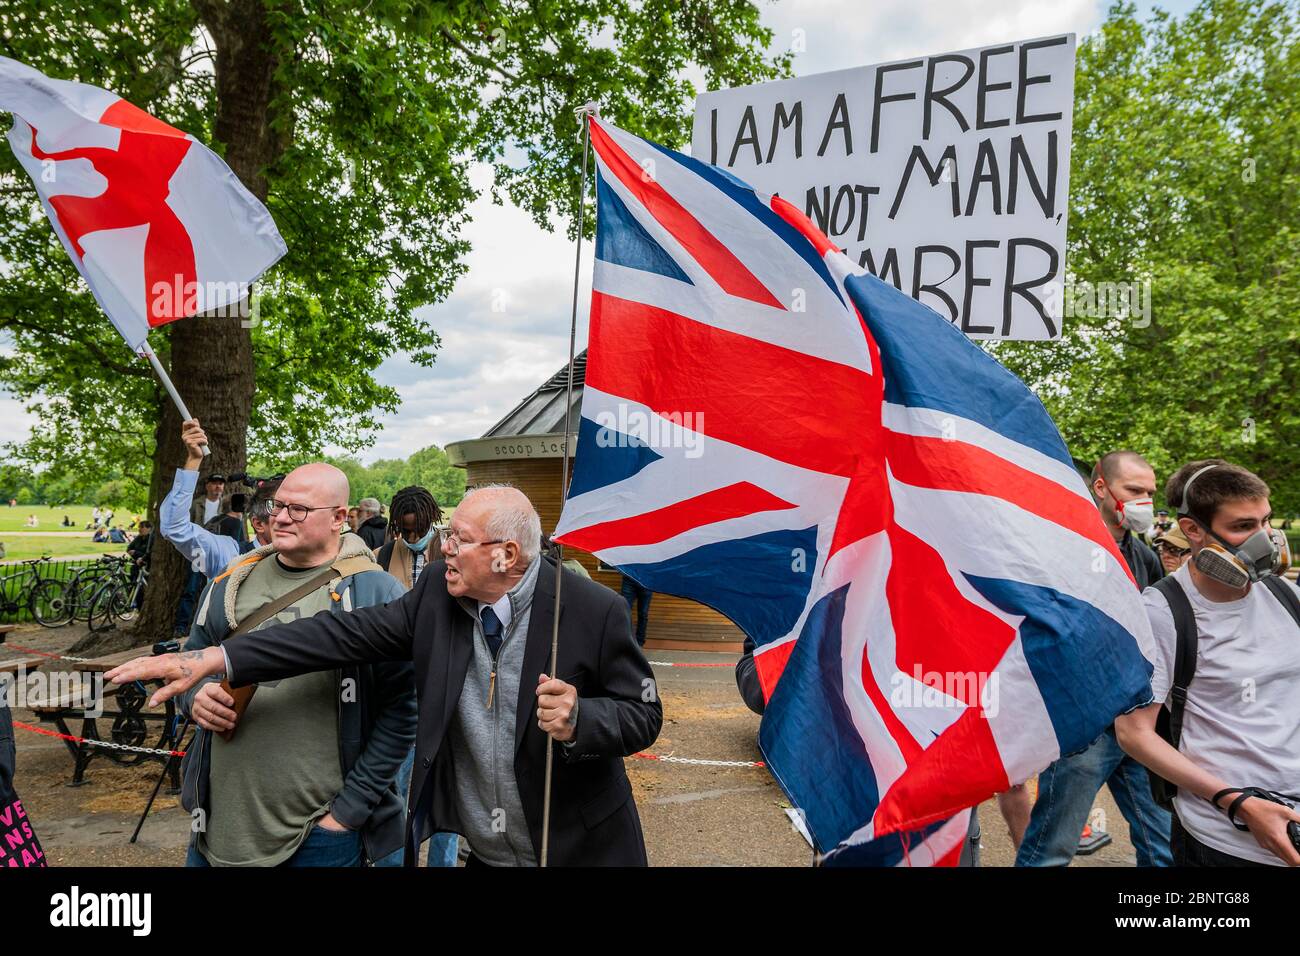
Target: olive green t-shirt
<point>277,776</point>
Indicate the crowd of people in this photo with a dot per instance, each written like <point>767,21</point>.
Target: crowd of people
<point>402,693</point>
<point>361,757</point>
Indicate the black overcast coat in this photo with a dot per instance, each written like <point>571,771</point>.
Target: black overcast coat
<point>594,821</point>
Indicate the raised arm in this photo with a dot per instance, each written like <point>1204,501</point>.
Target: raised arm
<point>212,552</point>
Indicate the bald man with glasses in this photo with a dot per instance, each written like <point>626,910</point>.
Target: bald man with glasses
<point>303,773</point>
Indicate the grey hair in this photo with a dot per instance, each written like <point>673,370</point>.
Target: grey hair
<point>512,523</point>
<point>370,504</point>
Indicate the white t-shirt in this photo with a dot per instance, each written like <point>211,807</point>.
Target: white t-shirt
<point>210,509</point>
<point>1242,719</point>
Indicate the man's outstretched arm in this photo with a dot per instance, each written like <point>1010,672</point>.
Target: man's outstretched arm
<point>318,643</point>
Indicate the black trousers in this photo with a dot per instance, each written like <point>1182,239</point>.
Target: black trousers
<point>1189,851</point>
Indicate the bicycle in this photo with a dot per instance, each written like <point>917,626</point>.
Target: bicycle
<point>118,598</point>
<point>73,601</point>
<point>25,588</point>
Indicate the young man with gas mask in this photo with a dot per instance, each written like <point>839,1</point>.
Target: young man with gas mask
<point>1225,652</point>
<point>1122,485</point>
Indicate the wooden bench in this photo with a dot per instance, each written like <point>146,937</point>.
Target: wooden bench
<point>87,700</point>
<point>5,629</point>
<point>12,665</point>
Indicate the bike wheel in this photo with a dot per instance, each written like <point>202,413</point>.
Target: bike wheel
<point>49,604</point>
<point>124,604</point>
<point>100,612</point>
<point>82,592</point>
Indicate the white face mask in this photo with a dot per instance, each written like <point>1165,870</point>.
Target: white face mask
<point>1137,515</point>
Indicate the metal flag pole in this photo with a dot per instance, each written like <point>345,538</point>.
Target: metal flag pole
<point>584,114</point>
<point>171,389</point>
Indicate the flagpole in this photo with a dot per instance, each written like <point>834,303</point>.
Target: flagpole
<point>171,389</point>
<point>584,114</point>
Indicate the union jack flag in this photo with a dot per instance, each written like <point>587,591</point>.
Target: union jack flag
<point>889,514</point>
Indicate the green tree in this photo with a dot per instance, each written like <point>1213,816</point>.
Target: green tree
<point>430,468</point>
<point>1185,173</point>
<point>356,124</point>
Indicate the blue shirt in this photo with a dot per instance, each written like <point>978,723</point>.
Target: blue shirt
<point>207,553</point>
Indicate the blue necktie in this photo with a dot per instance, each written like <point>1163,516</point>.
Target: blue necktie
<point>492,629</point>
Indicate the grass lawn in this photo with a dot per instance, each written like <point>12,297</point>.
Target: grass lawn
<point>15,518</point>
<point>56,545</point>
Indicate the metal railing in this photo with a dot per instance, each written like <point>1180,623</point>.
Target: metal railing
<point>19,579</point>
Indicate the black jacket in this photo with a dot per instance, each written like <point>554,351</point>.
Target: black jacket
<point>1142,560</point>
<point>373,531</point>
<point>593,817</point>
<point>747,682</point>
<point>7,754</point>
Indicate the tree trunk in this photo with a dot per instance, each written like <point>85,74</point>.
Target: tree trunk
<point>212,357</point>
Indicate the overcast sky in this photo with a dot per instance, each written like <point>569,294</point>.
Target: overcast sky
<point>505,328</point>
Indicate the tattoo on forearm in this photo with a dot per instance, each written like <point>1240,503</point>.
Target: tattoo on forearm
<point>186,658</point>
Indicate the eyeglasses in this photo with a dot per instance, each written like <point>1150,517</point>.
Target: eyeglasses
<point>454,544</point>
<point>297,513</point>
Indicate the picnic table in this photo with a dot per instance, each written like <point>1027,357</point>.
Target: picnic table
<point>12,665</point>
<point>5,629</point>
<point>88,701</point>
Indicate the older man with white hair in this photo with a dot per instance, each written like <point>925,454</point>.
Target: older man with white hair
<point>372,526</point>
<point>478,627</point>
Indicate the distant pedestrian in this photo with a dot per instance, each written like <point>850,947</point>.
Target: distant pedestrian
<point>634,593</point>
<point>373,529</point>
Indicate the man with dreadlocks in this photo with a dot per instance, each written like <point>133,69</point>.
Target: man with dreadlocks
<point>413,544</point>
<point>413,536</point>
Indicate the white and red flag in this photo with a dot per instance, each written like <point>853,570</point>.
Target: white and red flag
<point>156,223</point>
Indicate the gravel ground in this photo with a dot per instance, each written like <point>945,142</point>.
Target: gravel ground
<point>692,815</point>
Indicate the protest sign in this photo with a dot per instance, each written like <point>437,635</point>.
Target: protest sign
<point>946,175</point>
<point>18,844</point>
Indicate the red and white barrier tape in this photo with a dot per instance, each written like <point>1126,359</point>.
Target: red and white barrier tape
<point>31,650</point>
<point>697,762</point>
<point>110,745</point>
<point>687,664</point>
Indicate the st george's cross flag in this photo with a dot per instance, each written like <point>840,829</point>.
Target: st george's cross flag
<point>888,513</point>
<point>156,223</point>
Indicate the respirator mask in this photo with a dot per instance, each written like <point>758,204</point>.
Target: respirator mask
<point>1136,514</point>
<point>1239,565</point>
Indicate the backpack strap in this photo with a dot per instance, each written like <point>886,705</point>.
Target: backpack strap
<point>1284,594</point>
<point>1185,637</point>
<point>332,575</point>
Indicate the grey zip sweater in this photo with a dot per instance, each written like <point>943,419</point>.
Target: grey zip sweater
<point>482,738</point>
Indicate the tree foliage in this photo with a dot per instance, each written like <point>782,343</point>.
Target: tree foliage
<point>374,114</point>
<point>1185,173</point>
<point>357,124</point>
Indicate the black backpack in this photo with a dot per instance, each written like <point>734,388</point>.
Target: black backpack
<point>1169,720</point>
